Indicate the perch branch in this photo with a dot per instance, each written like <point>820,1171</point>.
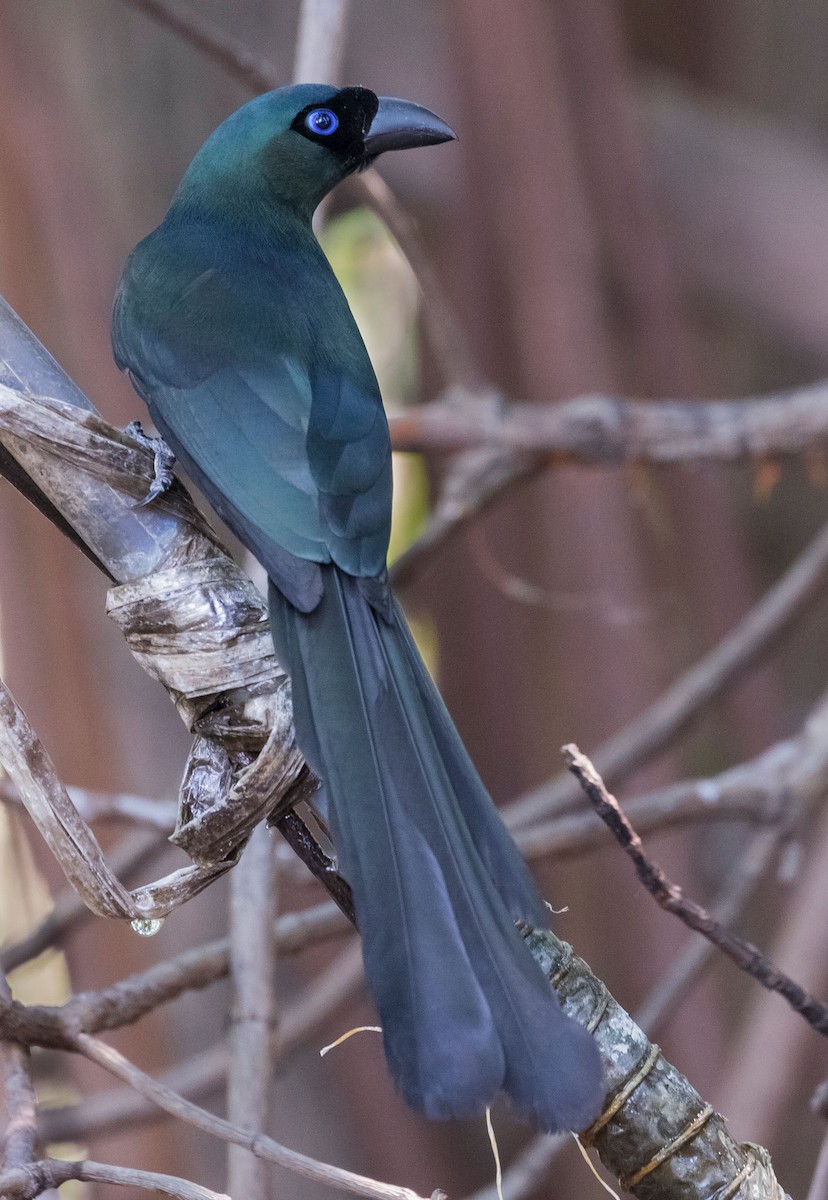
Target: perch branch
<point>530,1167</point>
<point>192,618</point>
<point>200,1076</point>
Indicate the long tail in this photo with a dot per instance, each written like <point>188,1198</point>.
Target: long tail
<point>437,882</point>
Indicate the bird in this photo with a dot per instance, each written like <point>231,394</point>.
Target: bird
<point>235,332</point>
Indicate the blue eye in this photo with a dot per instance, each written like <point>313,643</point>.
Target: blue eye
<point>322,121</point>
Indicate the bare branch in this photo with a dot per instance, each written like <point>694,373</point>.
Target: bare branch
<point>25,1183</point>
<point>610,431</point>
<point>257,1143</point>
<point>131,855</point>
<point>130,999</point>
<point>750,797</point>
<point>655,1125</point>
<point>108,806</point>
<point>774,788</point>
<point>300,839</point>
<point>202,1074</point>
<point>671,898</point>
<point>674,987</point>
<point>70,838</point>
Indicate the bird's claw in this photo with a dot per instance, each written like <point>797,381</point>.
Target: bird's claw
<point>163,463</point>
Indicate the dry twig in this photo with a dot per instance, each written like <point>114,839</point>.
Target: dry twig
<point>257,1143</point>
<point>671,898</point>
<point>25,1183</point>
<point>201,1075</point>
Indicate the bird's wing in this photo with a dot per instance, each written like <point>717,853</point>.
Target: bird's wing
<point>292,452</point>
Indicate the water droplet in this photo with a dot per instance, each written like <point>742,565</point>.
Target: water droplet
<point>147,926</point>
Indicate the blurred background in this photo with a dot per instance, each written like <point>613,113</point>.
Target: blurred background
<point>638,204</point>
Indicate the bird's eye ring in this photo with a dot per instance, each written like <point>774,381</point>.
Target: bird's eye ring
<point>322,121</point>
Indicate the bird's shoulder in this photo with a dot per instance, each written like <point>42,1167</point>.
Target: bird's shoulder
<point>193,298</point>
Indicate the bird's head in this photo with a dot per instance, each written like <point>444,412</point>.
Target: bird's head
<point>300,141</point>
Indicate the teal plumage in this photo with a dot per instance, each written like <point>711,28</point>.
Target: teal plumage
<point>236,333</point>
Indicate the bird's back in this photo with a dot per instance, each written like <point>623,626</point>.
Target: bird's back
<point>242,326</point>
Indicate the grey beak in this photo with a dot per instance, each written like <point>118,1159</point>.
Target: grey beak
<point>401,125</point>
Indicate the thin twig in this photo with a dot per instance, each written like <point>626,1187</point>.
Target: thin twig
<point>25,1183</point>
<point>260,1145</point>
<point>252,971</point>
<point>650,733</point>
<point>692,802</point>
<point>202,1074</point>
<point>299,837</point>
<point>127,1001</point>
<point>671,898</point>
<point>776,786</point>
<point>674,986</point>
<point>108,806</point>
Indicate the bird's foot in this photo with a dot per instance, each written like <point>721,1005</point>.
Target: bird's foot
<point>163,463</point>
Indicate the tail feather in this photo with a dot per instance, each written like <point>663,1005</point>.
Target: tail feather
<point>465,1010</point>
